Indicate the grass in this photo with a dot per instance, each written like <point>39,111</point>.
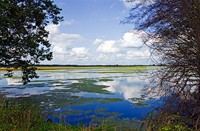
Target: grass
<point>170,121</point>
<point>87,85</point>
<point>14,77</point>
<point>63,99</point>
<point>19,117</point>
<point>105,79</point>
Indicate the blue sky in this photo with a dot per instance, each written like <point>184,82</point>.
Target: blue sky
<point>91,33</point>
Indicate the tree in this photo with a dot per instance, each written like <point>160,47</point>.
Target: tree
<point>23,37</point>
<point>174,32</point>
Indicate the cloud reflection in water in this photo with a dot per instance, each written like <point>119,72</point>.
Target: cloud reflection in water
<point>128,87</point>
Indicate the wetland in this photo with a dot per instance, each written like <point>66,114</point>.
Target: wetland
<point>84,95</point>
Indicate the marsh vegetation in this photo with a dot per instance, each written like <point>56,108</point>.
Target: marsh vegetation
<point>84,96</point>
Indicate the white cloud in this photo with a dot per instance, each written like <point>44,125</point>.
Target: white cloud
<point>53,29</point>
<point>61,43</point>
<point>79,52</point>
<point>68,22</point>
<point>132,3</point>
<point>58,49</point>
<point>98,41</point>
<point>137,54</point>
<point>66,48</point>
<point>108,47</point>
<point>131,90</point>
<point>132,39</point>
<point>63,38</point>
<point>129,49</point>
<point>58,38</point>
<point>102,57</point>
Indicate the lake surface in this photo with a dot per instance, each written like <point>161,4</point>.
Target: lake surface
<point>84,96</point>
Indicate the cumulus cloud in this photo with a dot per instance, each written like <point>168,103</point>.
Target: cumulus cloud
<point>66,48</point>
<point>130,90</point>
<point>137,54</point>
<point>130,47</point>
<point>63,38</point>
<point>61,43</point>
<point>58,49</point>
<point>132,39</point>
<point>68,22</point>
<point>102,57</point>
<point>79,52</point>
<point>58,38</point>
<point>98,41</point>
<point>53,29</point>
<point>132,3</point>
<point>108,47</point>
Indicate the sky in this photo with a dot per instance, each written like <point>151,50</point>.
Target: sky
<point>92,34</point>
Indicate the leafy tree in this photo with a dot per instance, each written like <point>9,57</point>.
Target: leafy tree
<point>173,32</point>
<point>23,37</point>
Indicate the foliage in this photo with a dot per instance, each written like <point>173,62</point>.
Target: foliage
<point>171,30</point>
<point>167,122</point>
<point>23,37</point>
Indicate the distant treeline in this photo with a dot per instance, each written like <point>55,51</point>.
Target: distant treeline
<point>56,65</point>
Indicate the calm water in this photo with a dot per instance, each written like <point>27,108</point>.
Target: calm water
<point>84,96</point>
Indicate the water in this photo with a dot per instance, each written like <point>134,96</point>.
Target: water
<point>84,96</point>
